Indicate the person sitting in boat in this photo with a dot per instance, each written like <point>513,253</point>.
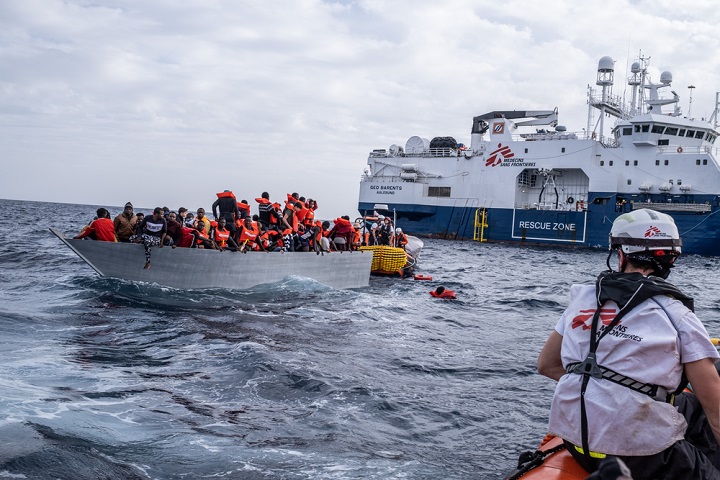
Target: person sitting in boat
<point>201,240</point>
<point>101,228</point>
<point>173,230</point>
<point>400,238</point>
<point>125,224</point>
<point>154,231</point>
<point>189,234</point>
<point>621,353</point>
<point>248,236</point>
<point>200,217</point>
<point>223,237</point>
<point>442,292</point>
<point>342,233</point>
<point>181,215</point>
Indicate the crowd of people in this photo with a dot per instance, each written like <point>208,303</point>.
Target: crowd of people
<point>290,226</point>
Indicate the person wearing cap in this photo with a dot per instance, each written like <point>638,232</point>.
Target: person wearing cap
<point>384,232</point>
<point>400,238</point>
<point>153,231</point>
<point>125,223</point>
<point>357,237</point>
<point>622,353</point>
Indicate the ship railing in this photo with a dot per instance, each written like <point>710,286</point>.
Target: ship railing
<point>547,136</point>
<point>673,207</point>
<point>430,152</point>
<point>696,149</point>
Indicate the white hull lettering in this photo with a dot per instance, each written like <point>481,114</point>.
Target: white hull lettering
<point>548,226</point>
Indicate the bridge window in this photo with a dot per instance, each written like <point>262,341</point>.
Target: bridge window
<point>699,134</point>
<point>663,141</point>
<point>671,131</point>
<point>658,129</point>
<point>438,191</point>
<point>645,128</point>
<point>627,130</point>
<point>690,133</point>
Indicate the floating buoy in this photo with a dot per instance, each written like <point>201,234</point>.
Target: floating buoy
<point>420,276</point>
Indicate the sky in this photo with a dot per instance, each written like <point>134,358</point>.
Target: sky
<point>167,102</point>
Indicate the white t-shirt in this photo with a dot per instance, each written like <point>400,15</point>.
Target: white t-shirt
<point>644,346</point>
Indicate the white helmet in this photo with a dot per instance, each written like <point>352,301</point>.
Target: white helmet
<point>645,230</point>
<point>398,230</point>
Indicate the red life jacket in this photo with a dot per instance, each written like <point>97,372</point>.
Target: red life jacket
<point>448,294</point>
<point>226,195</point>
<point>221,236</point>
<point>249,234</point>
<point>186,237</point>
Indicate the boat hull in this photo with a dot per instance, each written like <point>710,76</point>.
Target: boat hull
<point>589,228</point>
<point>186,268</point>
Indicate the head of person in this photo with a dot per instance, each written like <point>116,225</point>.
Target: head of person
<point>221,223</point>
<point>128,209</point>
<point>265,195</point>
<point>166,211</point>
<point>200,225</point>
<point>158,213</point>
<point>140,216</point>
<point>182,212</point>
<point>325,225</point>
<point>398,231</point>
<point>190,220</point>
<point>102,213</point>
<point>248,221</point>
<point>200,213</point>
<point>381,217</point>
<point>356,226</point>
<point>647,241</point>
<point>298,206</point>
<point>439,290</point>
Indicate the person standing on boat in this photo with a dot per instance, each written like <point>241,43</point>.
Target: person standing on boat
<point>125,224</point>
<point>226,207</point>
<point>154,231</point>
<point>621,353</point>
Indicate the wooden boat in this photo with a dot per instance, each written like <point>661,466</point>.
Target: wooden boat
<point>189,268</point>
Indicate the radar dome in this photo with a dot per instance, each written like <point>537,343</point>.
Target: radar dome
<point>666,78</point>
<point>635,67</point>
<point>606,64</point>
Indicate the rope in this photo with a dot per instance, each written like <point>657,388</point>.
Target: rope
<point>531,460</point>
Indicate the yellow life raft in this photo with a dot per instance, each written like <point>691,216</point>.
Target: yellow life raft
<point>386,260</point>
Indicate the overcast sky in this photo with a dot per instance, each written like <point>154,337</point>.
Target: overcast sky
<point>166,102</point>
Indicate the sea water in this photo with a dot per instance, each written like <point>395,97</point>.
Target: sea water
<point>102,378</point>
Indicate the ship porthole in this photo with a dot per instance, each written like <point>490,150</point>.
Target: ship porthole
<point>570,200</point>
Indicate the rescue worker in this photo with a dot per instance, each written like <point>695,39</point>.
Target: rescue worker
<point>622,349</point>
<point>400,238</point>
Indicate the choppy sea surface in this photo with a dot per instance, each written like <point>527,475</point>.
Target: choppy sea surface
<point>104,379</point>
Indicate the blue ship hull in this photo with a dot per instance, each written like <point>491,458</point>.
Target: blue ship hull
<point>590,228</point>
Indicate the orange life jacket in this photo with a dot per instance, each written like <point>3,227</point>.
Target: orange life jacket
<point>221,236</point>
<point>244,206</point>
<point>249,234</point>
<point>448,294</point>
<point>226,195</point>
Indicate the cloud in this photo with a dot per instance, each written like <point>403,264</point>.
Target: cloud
<point>167,103</point>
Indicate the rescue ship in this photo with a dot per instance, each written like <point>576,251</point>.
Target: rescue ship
<point>525,178</point>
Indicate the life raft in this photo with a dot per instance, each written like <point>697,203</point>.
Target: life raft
<point>387,260</point>
<point>420,276</point>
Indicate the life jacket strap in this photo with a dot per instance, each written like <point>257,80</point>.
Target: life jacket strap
<point>590,368</point>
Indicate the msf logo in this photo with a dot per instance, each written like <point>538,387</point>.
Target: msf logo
<point>497,156</point>
<point>652,231</point>
<point>584,318</point>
